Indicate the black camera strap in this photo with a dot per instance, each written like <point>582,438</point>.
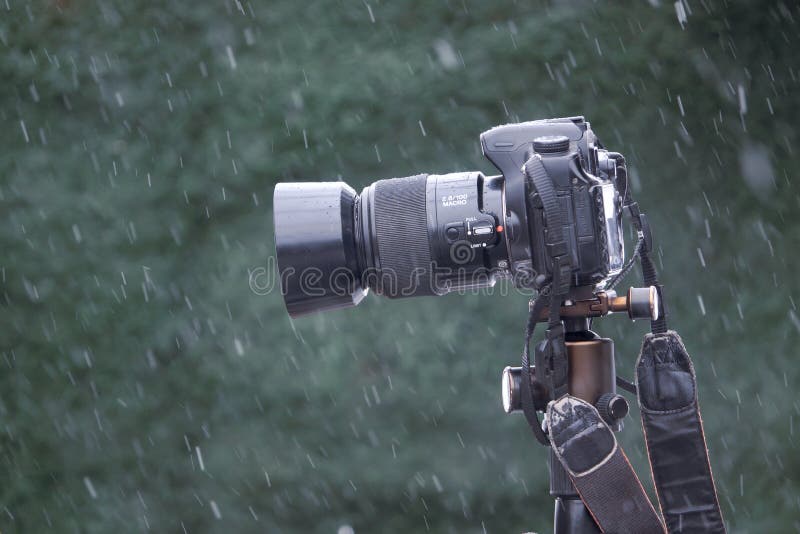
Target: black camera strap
<point>667,395</point>
<point>673,432</point>
<point>666,390</point>
<point>599,469</point>
<point>536,308</point>
<point>551,353</point>
<point>645,245</point>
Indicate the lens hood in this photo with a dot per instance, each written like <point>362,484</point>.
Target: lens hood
<point>316,247</point>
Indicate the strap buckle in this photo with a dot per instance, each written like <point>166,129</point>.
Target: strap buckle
<point>552,366</point>
<point>562,273</point>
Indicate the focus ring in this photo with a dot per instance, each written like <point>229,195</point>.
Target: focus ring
<point>403,252</point>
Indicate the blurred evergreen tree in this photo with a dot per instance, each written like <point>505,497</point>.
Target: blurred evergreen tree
<point>147,386</point>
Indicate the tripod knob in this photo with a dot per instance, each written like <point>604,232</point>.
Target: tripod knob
<point>511,390</point>
<point>643,303</point>
<point>612,407</point>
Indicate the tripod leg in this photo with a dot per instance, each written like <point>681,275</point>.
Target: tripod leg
<point>571,515</point>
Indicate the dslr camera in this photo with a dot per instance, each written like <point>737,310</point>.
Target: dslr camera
<point>431,234</point>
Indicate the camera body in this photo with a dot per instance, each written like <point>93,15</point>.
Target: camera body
<point>433,234</point>
<point>584,178</point>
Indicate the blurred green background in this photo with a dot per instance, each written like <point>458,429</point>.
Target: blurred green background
<point>146,387</point>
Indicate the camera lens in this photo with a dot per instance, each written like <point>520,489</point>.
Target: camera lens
<point>402,237</point>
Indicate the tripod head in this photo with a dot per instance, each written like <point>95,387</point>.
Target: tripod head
<point>591,368</point>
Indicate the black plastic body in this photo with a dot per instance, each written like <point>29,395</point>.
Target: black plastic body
<point>578,176</point>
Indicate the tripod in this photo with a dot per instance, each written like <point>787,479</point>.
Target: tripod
<point>591,377</point>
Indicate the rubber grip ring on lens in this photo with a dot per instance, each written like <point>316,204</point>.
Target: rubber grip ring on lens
<point>401,232</point>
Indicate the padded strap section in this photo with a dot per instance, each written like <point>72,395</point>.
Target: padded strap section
<point>599,469</point>
<point>674,436</point>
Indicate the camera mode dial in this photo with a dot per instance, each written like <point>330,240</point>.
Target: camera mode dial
<point>551,145</point>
